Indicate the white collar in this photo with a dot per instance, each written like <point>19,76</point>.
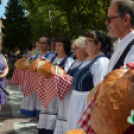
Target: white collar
<point>116,44</point>
<point>59,58</point>
<point>125,41</point>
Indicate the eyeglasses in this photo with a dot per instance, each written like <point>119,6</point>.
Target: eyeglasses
<point>88,40</point>
<point>42,43</point>
<point>110,18</point>
<point>75,48</point>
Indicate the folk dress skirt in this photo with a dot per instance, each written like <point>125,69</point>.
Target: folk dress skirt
<point>48,116</point>
<point>77,105</point>
<point>30,106</point>
<point>61,122</point>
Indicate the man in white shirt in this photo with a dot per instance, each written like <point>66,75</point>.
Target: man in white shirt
<point>120,23</point>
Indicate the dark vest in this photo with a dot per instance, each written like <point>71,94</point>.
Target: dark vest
<point>83,78</point>
<point>72,72</point>
<point>120,61</point>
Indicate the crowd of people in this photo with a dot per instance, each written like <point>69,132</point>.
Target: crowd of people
<point>86,59</point>
<point>12,56</point>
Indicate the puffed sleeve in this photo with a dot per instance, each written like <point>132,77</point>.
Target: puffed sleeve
<point>99,70</point>
<point>68,63</point>
<point>51,56</point>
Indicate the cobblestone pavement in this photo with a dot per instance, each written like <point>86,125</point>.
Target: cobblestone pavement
<point>13,122</point>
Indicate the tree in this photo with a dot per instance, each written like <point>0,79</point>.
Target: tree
<point>17,28</point>
<point>66,17</point>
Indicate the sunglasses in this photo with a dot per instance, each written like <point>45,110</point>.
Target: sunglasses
<point>110,18</point>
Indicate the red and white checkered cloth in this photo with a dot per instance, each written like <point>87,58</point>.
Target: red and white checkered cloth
<point>31,83</point>
<point>46,88</point>
<point>18,77</point>
<point>51,87</point>
<point>26,78</point>
<point>84,121</point>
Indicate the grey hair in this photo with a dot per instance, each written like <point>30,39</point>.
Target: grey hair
<point>80,42</point>
<point>125,7</point>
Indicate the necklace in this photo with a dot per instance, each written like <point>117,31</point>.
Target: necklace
<point>96,55</point>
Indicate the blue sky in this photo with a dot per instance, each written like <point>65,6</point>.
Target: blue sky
<point>2,8</point>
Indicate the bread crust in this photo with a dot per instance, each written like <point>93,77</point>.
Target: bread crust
<point>112,108</point>
<point>108,80</point>
<point>22,64</point>
<point>48,70</point>
<point>75,131</point>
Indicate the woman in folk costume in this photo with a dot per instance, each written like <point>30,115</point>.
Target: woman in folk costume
<point>48,116</point>
<point>44,45</point>
<point>30,105</point>
<point>81,55</point>
<point>90,73</point>
<point>3,72</point>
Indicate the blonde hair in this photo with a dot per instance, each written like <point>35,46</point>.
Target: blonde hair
<point>80,42</point>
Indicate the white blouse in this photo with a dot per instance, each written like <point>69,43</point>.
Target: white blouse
<point>68,63</point>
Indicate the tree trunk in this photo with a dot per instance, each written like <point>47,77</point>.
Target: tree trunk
<point>70,27</point>
<point>69,23</point>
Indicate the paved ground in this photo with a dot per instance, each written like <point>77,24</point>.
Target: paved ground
<point>13,122</point>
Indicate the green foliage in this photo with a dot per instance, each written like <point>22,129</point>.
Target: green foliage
<point>5,49</point>
<point>17,27</point>
<point>65,17</point>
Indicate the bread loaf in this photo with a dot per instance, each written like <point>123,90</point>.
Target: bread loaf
<point>112,108</point>
<point>49,70</point>
<point>23,63</point>
<point>75,131</point>
<point>108,80</point>
<point>33,67</point>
